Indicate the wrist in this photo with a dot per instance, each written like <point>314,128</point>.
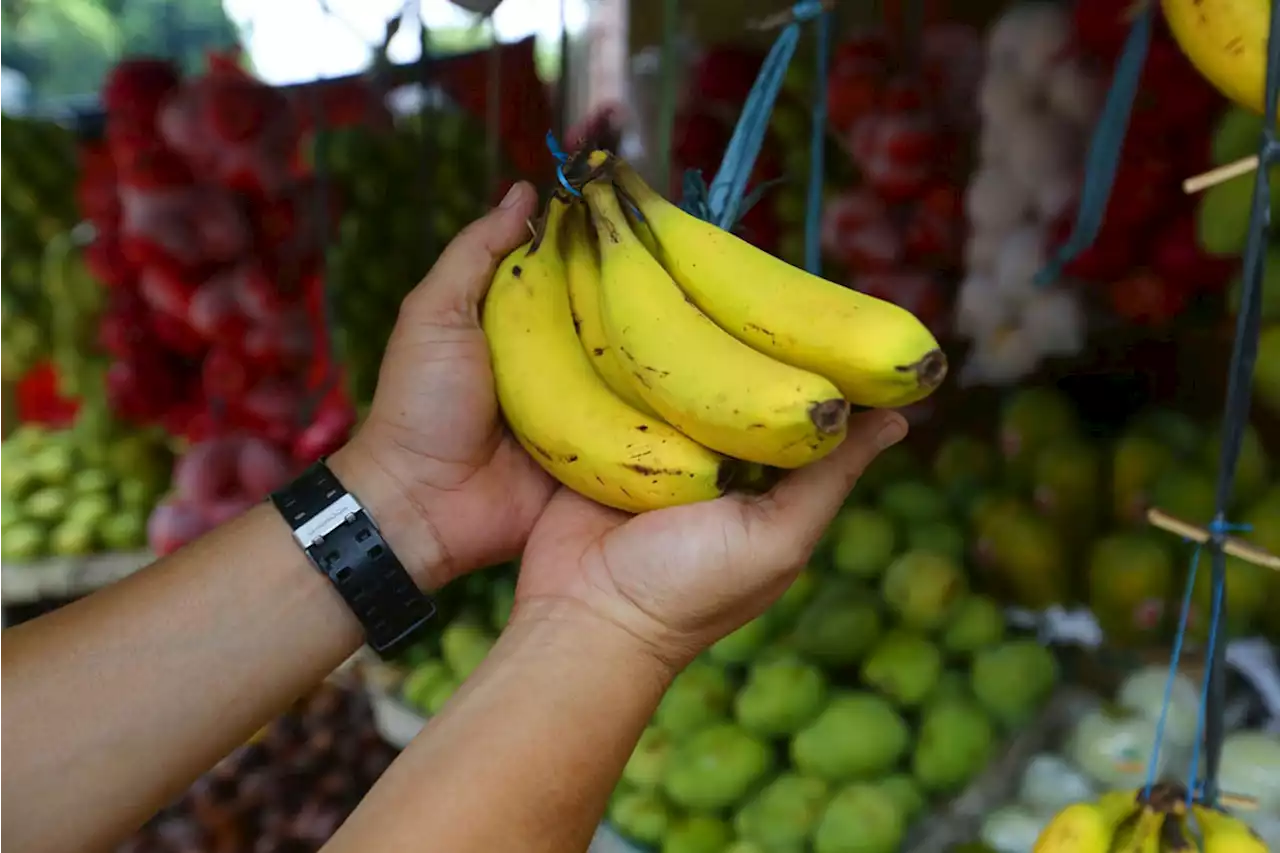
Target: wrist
<point>411,539</point>
<point>579,629</point>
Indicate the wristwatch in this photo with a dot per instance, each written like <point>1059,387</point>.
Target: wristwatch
<point>341,539</point>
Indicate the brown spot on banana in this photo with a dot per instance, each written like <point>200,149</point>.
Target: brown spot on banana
<point>829,416</point>
<point>755,327</point>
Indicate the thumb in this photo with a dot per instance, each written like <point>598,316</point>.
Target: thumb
<point>450,295</point>
<point>803,504</point>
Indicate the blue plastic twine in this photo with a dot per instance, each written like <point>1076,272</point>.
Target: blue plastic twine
<point>1103,157</point>
<point>553,145</point>
<point>722,203</point>
<point>817,152</point>
<point>1217,526</point>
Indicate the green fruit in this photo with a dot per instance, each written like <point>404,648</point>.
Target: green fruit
<point>913,502</point>
<point>863,542</point>
<point>17,479</point>
<point>1270,289</point>
<point>698,695</point>
<point>48,504</point>
<point>91,510</point>
<point>955,743</point>
<point>715,767</point>
<point>92,481</point>
<point>1174,430</point>
<point>745,643</point>
<point>906,793</point>
<point>1266,374</point>
<point>861,818</point>
<point>1012,680</point>
<point>796,597</point>
<point>903,666</point>
<point>1024,554</point>
<point>1137,464</point>
<point>783,814</point>
<point>839,625</point>
<point>641,816</point>
<point>940,537</point>
<point>697,834</point>
<point>964,466</point>
<point>439,695</point>
<point>72,538</point>
<point>23,542</point>
<point>923,587</point>
<point>859,735</point>
<point>502,599</point>
<point>1186,493</point>
<point>1131,578</point>
<point>1252,468</point>
<point>464,645</point>
<point>780,696</point>
<point>1237,134</point>
<point>1031,420</point>
<point>977,623</point>
<point>892,465</point>
<point>1222,215</point>
<point>54,464</point>
<point>648,760</point>
<point>422,683</point>
<point>126,531</point>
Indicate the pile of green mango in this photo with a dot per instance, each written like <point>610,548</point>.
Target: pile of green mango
<point>37,198</point>
<point>78,491</point>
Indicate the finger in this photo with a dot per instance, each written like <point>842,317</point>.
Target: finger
<point>452,291</point>
<point>804,503</point>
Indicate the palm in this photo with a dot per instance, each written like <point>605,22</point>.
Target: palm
<point>446,446</point>
<point>692,573</point>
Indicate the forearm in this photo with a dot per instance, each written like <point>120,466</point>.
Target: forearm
<point>526,754</point>
<point>115,703</point>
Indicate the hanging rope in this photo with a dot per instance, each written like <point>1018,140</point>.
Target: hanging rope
<point>1244,355</point>
<point>817,151</point>
<point>1103,157</point>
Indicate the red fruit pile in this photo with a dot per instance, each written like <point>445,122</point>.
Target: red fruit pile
<point>907,135</point>
<point>209,234</point>
<point>1146,253</point>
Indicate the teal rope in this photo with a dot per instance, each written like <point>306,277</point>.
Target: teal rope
<point>817,151</point>
<point>723,203</point>
<point>1103,157</point>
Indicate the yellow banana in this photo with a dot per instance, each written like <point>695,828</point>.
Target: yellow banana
<point>1087,827</point>
<point>1226,40</point>
<point>560,410</point>
<point>1225,833</point>
<point>1141,835</point>
<point>875,352</point>
<point>582,268</point>
<point>705,383</point>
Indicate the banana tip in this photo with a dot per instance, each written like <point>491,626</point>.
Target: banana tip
<point>929,370</point>
<point>829,416</point>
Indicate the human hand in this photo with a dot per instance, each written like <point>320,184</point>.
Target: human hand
<point>678,579</point>
<point>451,490</point>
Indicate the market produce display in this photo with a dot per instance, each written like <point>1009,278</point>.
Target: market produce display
<point>1046,70</point>
<point>878,686</point>
<point>287,790</point>
<point>1057,515</point>
<point>1093,787</point>
<point>79,491</point>
<point>905,128</point>
<point>399,210</point>
<point>209,239</point>
<point>805,366</point>
<point>37,197</point>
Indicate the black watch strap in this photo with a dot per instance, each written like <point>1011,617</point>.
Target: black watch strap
<point>343,542</point>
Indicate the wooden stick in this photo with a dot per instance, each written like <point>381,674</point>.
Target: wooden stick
<point>1238,801</point>
<point>781,19</point>
<point>1232,545</point>
<point>1221,174</point>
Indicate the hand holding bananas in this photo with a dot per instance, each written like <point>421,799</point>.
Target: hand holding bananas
<point>1155,821</point>
<point>648,359</point>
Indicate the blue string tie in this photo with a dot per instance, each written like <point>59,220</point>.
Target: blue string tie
<point>553,145</point>
<point>1217,528</point>
<point>1103,157</point>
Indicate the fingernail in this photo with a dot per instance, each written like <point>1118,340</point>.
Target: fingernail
<point>891,433</point>
<point>511,198</point>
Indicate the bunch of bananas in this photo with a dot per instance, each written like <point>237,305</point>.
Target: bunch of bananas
<point>76,300</point>
<point>1226,40</point>
<point>646,358</point>
<point>1138,821</point>
<point>37,202</point>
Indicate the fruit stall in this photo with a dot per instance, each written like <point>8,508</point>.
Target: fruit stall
<point>1050,210</point>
